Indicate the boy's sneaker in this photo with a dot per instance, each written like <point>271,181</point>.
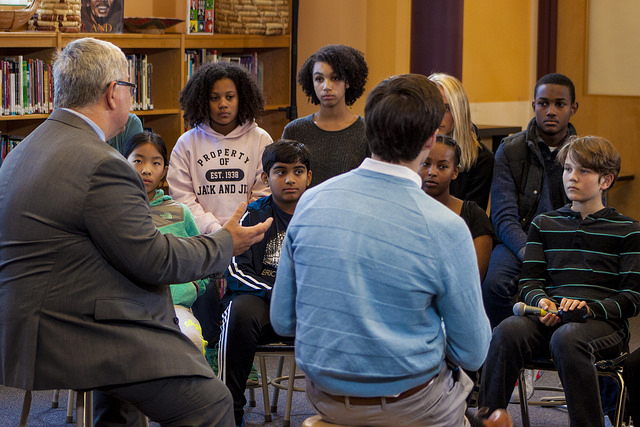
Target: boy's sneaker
<point>212,358</point>
<point>254,377</point>
<point>530,376</point>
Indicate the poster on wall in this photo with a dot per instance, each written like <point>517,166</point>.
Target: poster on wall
<point>102,16</point>
<point>200,13</point>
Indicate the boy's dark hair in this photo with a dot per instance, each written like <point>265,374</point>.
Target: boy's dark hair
<point>194,97</point>
<point>401,114</point>
<point>556,79</point>
<point>143,138</point>
<point>285,151</point>
<point>347,63</point>
<point>592,152</point>
<point>450,142</point>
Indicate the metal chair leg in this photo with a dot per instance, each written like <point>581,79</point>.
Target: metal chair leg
<point>26,408</point>
<point>265,390</point>
<point>88,408</point>
<point>55,398</point>
<point>72,395</point>
<point>276,390</point>
<point>292,381</point>
<point>80,409</point>
<point>252,397</point>
<point>524,405</point>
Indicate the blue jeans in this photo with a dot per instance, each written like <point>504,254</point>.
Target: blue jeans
<point>574,348</point>
<point>498,287</point>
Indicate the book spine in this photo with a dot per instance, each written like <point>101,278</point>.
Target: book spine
<point>150,85</point>
<point>51,84</point>
<point>12,89</point>
<point>3,87</point>
<point>145,78</point>
<point>19,86</point>
<point>24,90</point>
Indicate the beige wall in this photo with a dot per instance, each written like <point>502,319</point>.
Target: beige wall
<point>378,28</point>
<point>158,8</point>
<point>613,117</point>
<point>498,49</point>
<point>498,67</point>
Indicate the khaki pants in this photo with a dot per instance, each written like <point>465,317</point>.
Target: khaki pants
<point>441,403</point>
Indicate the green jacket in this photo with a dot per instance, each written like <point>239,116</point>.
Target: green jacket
<point>175,218</point>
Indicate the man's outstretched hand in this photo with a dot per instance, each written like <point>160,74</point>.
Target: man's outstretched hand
<point>245,237</point>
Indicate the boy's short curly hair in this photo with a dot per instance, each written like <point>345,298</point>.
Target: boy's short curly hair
<point>347,63</point>
<point>194,97</point>
<point>556,79</point>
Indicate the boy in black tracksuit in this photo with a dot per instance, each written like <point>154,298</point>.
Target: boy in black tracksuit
<point>250,276</point>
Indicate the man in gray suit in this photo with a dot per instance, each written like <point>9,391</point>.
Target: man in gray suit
<point>84,273</point>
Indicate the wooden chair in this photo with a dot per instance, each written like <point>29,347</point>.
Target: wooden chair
<point>608,368</point>
<point>317,421</point>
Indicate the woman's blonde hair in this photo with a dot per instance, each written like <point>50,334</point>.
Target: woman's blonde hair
<point>463,131</point>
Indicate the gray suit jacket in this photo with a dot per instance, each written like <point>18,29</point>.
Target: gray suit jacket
<point>84,273</point>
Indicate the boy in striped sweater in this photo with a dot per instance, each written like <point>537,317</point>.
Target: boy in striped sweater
<point>583,257</point>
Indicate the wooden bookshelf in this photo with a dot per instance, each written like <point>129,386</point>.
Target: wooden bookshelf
<point>166,53</point>
<point>274,54</point>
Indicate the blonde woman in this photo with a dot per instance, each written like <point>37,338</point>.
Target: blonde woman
<point>476,161</point>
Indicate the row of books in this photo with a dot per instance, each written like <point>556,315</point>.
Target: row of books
<point>141,73</point>
<point>27,86</point>
<point>7,143</point>
<point>196,57</point>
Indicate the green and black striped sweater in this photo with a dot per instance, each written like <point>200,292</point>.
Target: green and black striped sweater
<point>595,259</point>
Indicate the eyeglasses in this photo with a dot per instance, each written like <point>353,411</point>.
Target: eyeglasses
<point>132,86</point>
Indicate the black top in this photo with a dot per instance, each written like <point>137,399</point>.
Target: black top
<point>475,184</point>
<point>476,219</point>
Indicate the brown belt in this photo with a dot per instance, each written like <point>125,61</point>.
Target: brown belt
<point>364,401</point>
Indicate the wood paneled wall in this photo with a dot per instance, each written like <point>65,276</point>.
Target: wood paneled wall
<point>616,118</point>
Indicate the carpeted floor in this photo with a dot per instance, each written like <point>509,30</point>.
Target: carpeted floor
<point>43,415</point>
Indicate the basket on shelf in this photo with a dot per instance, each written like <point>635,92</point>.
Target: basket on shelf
<point>13,19</point>
<point>57,15</point>
<point>263,17</point>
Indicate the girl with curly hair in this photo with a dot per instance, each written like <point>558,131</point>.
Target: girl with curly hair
<point>476,160</point>
<point>217,164</point>
<point>334,78</point>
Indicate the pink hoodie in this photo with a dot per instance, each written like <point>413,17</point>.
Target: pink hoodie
<point>212,173</point>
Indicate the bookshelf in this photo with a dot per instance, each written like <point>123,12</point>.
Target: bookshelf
<point>167,54</point>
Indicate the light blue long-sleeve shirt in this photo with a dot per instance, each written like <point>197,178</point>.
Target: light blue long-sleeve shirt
<point>371,274</point>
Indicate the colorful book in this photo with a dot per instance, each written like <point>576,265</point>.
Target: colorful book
<point>200,13</point>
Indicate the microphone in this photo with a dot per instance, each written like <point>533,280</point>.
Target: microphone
<point>521,309</point>
<point>578,315</point>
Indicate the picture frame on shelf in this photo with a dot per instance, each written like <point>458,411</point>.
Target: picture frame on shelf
<point>200,16</point>
<point>102,16</point>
